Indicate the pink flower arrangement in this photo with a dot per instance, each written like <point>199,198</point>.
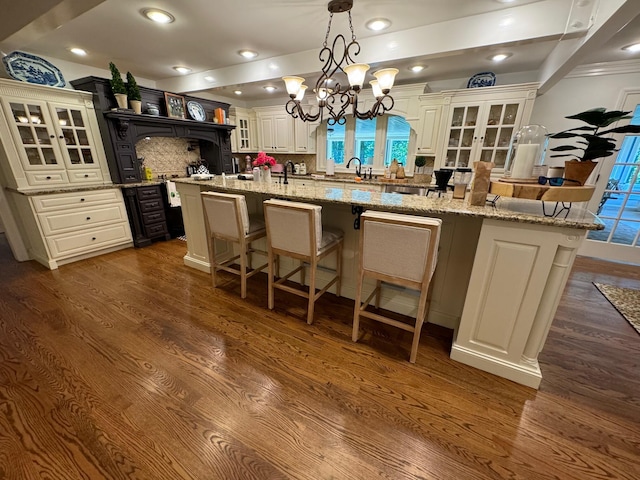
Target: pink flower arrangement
<point>264,161</point>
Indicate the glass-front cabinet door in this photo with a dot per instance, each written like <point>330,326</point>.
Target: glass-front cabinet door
<point>481,131</point>
<point>498,130</point>
<point>462,135</point>
<point>34,131</point>
<point>73,133</point>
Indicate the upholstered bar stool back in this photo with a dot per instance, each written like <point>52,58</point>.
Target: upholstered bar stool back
<point>295,230</point>
<point>383,258</point>
<point>227,218</point>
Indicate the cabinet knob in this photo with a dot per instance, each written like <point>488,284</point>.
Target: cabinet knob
<point>52,136</point>
<point>48,178</point>
<point>82,199</point>
<point>93,238</point>
<point>86,176</point>
<point>88,218</point>
<point>61,137</point>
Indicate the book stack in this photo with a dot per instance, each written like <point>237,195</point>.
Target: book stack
<point>220,116</point>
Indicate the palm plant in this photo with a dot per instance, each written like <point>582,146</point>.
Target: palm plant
<point>592,142</point>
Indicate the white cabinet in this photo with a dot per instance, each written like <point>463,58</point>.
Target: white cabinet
<point>275,130</point>
<point>65,227</point>
<point>304,136</point>
<point>479,123</point>
<point>243,138</point>
<point>50,137</point>
<point>50,142</point>
<point>428,128</point>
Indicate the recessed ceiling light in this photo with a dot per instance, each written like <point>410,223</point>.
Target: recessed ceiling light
<point>505,1</point>
<point>248,54</point>
<point>238,92</point>
<point>499,57</point>
<point>632,48</point>
<point>78,51</point>
<point>209,78</point>
<point>182,70</point>
<point>416,68</point>
<point>158,16</point>
<point>270,88</point>
<point>378,24</point>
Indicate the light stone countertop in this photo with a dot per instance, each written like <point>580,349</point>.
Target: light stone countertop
<point>507,209</point>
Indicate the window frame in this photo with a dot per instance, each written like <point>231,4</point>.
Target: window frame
<point>349,146</point>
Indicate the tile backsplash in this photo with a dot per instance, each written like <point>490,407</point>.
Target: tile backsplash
<point>168,156</point>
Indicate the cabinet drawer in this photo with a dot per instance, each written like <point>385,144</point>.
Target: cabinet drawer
<point>48,203</point>
<point>88,240</point>
<point>151,205</point>
<point>145,193</point>
<point>79,176</point>
<point>68,220</point>
<point>153,217</point>
<point>156,229</point>
<point>41,179</point>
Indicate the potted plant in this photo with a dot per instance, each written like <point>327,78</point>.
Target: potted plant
<point>117,86</point>
<point>592,142</point>
<point>133,92</point>
<point>420,163</point>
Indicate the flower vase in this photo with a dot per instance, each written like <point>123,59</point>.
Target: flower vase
<point>265,175</point>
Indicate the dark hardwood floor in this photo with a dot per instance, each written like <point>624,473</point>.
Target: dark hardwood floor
<point>130,366</point>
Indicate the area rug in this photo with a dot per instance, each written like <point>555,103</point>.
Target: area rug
<point>625,300</point>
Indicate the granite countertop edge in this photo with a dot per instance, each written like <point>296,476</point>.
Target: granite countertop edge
<point>508,209</point>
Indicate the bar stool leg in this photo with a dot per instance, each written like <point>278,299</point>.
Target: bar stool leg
<point>422,310</point>
<point>312,292</point>
<point>270,282</point>
<point>212,260</point>
<point>302,272</point>
<point>243,270</point>
<point>356,310</point>
<point>378,293</point>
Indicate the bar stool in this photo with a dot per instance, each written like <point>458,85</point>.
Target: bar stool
<point>381,233</point>
<point>295,230</point>
<point>227,218</point>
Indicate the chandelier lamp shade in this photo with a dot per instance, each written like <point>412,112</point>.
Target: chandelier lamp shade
<point>335,98</point>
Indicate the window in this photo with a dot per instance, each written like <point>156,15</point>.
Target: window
<point>365,140</point>
<point>397,144</point>
<point>375,142</point>
<point>335,143</point>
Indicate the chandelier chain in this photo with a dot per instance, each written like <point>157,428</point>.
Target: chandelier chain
<point>353,35</point>
<point>326,37</point>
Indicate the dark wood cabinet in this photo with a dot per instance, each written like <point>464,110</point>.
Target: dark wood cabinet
<point>146,208</point>
<point>121,131</point>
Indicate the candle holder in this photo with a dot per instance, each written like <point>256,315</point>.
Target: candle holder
<point>526,152</point>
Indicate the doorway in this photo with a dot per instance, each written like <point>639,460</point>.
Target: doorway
<point>617,199</point>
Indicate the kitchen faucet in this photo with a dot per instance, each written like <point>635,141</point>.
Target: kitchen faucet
<point>358,167</point>
<point>286,165</point>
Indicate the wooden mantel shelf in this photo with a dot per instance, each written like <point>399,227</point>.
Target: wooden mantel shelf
<point>534,191</point>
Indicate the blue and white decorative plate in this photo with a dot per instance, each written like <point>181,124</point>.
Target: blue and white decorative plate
<point>484,79</point>
<point>29,68</point>
<point>196,111</point>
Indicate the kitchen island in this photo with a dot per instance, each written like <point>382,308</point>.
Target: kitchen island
<point>500,275</point>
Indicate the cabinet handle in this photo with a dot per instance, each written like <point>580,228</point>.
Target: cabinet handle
<point>61,137</point>
<point>82,199</point>
<point>52,136</point>
<point>88,218</point>
<point>48,178</point>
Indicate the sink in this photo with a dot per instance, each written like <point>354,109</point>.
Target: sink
<point>405,189</point>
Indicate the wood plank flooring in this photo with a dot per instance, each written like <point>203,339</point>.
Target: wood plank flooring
<point>130,366</point>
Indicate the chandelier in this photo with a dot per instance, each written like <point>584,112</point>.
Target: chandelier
<point>334,98</point>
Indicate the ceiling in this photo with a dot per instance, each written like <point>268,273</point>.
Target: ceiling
<point>452,38</point>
